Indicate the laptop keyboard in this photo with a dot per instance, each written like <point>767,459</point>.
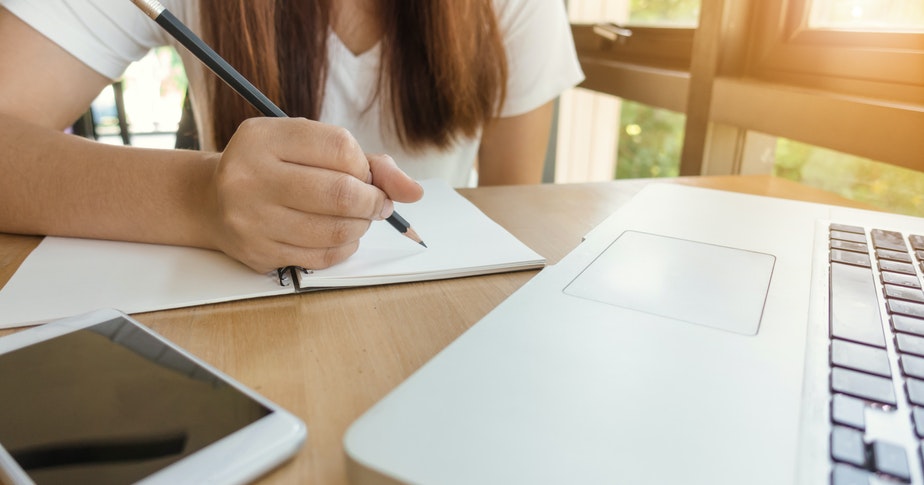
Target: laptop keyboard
<point>876,354</point>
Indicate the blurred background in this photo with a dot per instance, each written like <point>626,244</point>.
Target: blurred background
<point>817,91</point>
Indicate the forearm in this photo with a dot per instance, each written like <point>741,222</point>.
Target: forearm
<point>284,191</point>
<point>513,149</point>
<point>58,184</point>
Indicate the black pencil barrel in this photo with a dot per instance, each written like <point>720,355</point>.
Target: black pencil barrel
<point>398,222</point>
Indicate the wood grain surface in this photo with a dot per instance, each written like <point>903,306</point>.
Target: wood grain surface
<point>328,356</point>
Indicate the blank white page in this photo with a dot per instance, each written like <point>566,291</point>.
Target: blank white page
<point>461,241</point>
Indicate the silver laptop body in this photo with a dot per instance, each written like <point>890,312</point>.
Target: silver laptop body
<point>688,340</point>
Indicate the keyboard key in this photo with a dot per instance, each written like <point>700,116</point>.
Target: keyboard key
<point>846,228</point>
<point>850,257</point>
<point>849,246</point>
<point>849,411</point>
<point>895,266</point>
<point>915,389</point>
<point>920,254</point>
<point>855,305</point>
<point>891,255</point>
<point>900,279</point>
<point>917,242</point>
<point>912,366</point>
<point>904,293</point>
<point>904,323</point>
<point>891,459</point>
<point>847,446</point>
<point>860,357</point>
<point>909,308</point>
<point>862,385</point>
<point>848,236</point>
<point>842,474</point>
<point>917,415</point>
<point>888,240</point>
<point>910,344</point>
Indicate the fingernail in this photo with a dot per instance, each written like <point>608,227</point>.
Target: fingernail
<point>387,208</point>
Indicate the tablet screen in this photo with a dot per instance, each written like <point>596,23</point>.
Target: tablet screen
<point>111,404</point>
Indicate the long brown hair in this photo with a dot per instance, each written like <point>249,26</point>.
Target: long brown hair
<point>443,69</point>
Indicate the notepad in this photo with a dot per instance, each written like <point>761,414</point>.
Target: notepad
<point>67,276</point>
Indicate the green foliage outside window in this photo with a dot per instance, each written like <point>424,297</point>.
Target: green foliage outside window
<point>664,12</point>
<point>650,141</point>
<point>885,186</point>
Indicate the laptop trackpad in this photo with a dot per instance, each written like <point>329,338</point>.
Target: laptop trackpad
<point>695,282</point>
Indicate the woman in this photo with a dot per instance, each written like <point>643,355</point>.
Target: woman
<point>434,84</point>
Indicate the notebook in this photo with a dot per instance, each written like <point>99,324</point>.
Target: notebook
<point>67,276</point>
<point>695,336</point>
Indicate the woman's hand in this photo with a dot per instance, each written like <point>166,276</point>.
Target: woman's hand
<point>289,191</point>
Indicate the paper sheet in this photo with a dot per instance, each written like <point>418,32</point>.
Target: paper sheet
<point>67,276</point>
<point>460,240</point>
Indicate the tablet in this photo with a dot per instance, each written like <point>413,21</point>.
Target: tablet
<point>99,398</point>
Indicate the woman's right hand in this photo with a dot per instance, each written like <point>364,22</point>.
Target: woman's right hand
<point>290,191</point>
<point>284,192</point>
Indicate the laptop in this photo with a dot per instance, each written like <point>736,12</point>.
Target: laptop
<point>695,336</point>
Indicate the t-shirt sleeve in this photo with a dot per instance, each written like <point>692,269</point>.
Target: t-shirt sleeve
<point>106,35</point>
<point>540,53</point>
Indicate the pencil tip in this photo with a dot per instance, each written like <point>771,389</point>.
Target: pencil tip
<point>412,235</point>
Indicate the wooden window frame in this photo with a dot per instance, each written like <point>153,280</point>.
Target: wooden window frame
<point>755,65</point>
<point>651,67</point>
<point>879,65</point>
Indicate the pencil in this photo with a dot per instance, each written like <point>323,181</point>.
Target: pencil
<point>230,75</point>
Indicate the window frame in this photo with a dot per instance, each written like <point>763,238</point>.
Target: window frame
<point>855,92</point>
<point>881,65</point>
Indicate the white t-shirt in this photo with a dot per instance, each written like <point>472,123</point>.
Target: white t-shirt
<point>107,35</point>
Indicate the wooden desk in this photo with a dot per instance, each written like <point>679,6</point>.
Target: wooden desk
<point>328,356</point>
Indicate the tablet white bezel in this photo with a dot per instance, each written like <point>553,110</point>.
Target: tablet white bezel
<point>239,457</point>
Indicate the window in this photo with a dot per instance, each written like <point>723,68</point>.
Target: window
<point>153,89</point>
<point>853,47</point>
<point>842,80</point>
<point>596,130</point>
<point>867,15</point>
